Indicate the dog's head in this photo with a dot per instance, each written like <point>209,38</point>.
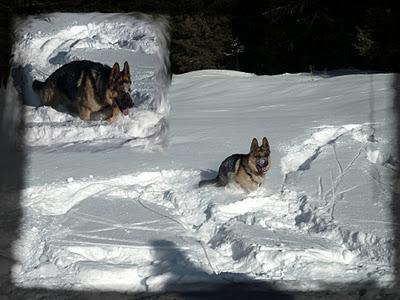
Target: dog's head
<point>259,156</point>
<point>120,87</point>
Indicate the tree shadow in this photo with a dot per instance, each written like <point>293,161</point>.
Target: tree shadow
<point>21,76</point>
<point>12,175</point>
<point>342,72</point>
<point>185,280</point>
<point>190,281</point>
<point>396,179</point>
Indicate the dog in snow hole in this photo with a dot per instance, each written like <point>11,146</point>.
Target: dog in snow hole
<point>246,170</point>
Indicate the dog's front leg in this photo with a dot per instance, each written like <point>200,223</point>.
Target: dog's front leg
<point>84,113</point>
<point>114,115</point>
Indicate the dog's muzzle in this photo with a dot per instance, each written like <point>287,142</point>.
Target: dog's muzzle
<point>124,102</point>
<point>262,165</point>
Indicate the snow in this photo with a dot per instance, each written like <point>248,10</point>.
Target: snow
<point>98,214</point>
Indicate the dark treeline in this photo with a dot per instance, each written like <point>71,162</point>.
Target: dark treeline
<point>263,37</point>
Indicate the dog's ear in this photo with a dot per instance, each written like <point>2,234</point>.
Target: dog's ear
<point>254,144</point>
<point>126,69</point>
<point>114,71</point>
<point>265,143</point>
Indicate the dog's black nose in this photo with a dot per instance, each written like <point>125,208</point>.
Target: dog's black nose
<point>262,163</point>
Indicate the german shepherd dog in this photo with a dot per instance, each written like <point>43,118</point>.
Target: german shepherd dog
<point>87,87</point>
<point>247,170</point>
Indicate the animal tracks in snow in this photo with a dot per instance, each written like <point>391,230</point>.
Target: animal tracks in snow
<point>112,220</point>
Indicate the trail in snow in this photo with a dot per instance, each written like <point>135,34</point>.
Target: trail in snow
<point>300,157</point>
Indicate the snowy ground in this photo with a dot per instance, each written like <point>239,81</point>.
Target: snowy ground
<point>133,220</point>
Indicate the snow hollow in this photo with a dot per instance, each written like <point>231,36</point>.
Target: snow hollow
<point>45,43</point>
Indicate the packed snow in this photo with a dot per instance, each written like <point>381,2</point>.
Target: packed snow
<point>130,220</point>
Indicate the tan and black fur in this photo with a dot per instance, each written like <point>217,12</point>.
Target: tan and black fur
<point>247,170</point>
<point>87,87</point>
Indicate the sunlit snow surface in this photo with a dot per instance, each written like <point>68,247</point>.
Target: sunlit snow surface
<point>136,221</point>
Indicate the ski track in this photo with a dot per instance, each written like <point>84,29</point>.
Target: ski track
<point>300,157</point>
<point>263,235</point>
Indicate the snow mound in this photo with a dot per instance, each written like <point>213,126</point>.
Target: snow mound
<point>45,43</point>
<point>218,73</point>
<point>45,126</point>
<point>300,157</point>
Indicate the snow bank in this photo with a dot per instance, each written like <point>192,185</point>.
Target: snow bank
<point>46,42</point>
<point>45,127</point>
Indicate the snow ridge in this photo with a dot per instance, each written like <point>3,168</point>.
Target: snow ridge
<point>300,157</point>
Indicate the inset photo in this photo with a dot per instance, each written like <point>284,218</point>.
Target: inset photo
<point>92,81</point>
